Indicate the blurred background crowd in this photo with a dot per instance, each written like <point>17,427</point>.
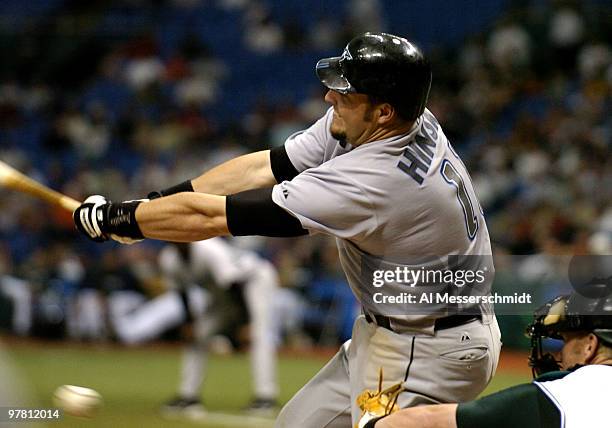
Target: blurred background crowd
<point>122,98</point>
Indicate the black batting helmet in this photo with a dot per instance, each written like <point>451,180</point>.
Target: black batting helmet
<point>573,312</point>
<point>387,67</point>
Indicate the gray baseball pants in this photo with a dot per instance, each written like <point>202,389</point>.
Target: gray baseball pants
<point>453,365</point>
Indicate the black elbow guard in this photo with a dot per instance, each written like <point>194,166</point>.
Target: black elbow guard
<point>254,213</point>
<point>281,165</point>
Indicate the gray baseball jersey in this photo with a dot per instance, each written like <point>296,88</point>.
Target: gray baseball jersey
<point>403,201</point>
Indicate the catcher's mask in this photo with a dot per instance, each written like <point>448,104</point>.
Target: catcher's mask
<point>567,313</point>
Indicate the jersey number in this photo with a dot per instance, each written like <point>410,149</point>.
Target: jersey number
<point>452,177</point>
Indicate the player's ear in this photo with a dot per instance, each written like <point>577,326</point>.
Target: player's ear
<point>387,114</point>
<point>590,347</point>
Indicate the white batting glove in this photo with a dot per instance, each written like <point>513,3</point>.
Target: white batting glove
<point>99,220</point>
<point>89,216</point>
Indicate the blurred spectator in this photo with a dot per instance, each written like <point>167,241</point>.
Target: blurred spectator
<point>594,60</point>
<point>566,33</point>
<point>262,34</point>
<point>143,67</point>
<point>88,133</point>
<point>324,34</point>
<point>509,46</point>
<point>365,15</point>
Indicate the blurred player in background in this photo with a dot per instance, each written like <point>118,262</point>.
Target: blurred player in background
<point>229,267</point>
<point>185,267</point>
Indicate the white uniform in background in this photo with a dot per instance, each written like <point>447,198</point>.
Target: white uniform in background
<point>228,265</point>
<point>217,259</point>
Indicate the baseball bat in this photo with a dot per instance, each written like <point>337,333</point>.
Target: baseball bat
<point>13,179</point>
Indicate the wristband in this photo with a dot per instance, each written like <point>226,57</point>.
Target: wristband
<point>185,186</point>
<point>121,220</point>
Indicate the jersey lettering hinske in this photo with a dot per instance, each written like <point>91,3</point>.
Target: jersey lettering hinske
<point>403,201</point>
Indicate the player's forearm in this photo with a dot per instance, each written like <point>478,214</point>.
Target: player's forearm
<point>436,416</point>
<point>183,217</point>
<point>251,171</point>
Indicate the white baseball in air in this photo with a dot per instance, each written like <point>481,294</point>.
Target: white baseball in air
<point>77,400</point>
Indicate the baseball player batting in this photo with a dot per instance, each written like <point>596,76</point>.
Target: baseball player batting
<point>378,173</point>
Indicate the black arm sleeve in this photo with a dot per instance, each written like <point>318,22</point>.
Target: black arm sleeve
<point>254,213</point>
<point>281,165</point>
<point>524,406</point>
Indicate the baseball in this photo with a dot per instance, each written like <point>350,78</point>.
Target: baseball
<point>77,400</point>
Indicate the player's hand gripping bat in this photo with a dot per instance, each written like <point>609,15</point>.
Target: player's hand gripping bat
<point>13,179</point>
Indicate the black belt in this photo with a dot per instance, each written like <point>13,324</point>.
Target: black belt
<point>440,323</point>
<point>455,321</point>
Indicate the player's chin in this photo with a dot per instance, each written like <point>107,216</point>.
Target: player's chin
<point>338,135</point>
<point>338,132</point>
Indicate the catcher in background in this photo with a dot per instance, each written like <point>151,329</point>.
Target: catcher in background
<point>378,173</point>
<point>576,397</point>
